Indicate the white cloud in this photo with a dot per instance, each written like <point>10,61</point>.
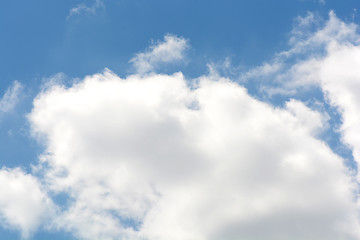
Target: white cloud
<point>297,68</point>
<point>23,204</point>
<point>171,50</point>
<point>162,157</point>
<point>330,60</point>
<point>339,77</point>
<point>10,97</point>
<point>158,157</point>
<point>83,8</point>
<point>315,121</point>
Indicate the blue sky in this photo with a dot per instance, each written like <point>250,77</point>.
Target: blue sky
<point>288,62</point>
<point>40,39</point>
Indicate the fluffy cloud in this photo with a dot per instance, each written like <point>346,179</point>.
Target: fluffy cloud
<point>159,157</point>
<point>172,49</point>
<point>339,77</point>
<point>11,97</point>
<point>23,204</point>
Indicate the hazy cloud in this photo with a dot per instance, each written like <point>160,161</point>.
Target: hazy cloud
<point>10,97</point>
<point>83,8</point>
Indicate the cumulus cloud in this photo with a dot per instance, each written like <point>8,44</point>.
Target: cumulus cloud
<point>316,121</point>
<point>158,156</point>
<point>10,97</point>
<point>23,204</point>
<point>339,78</point>
<point>83,8</point>
<point>171,50</point>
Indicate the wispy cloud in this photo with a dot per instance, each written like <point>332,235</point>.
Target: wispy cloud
<point>11,97</point>
<point>171,50</point>
<point>322,2</point>
<point>83,8</point>
<point>296,69</point>
<point>329,54</point>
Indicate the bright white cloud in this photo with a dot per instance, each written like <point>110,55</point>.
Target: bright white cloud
<point>23,204</point>
<point>331,56</point>
<point>315,121</point>
<point>171,50</point>
<point>83,8</point>
<point>157,157</point>
<point>10,97</point>
<point>340,80</point>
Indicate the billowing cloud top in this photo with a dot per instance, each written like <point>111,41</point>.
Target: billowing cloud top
<point>157,156</point>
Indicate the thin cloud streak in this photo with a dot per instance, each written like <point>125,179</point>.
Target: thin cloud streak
<point>83,8</point>
<point>11,97</point>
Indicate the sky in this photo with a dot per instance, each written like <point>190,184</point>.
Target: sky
<point>180,120</point>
